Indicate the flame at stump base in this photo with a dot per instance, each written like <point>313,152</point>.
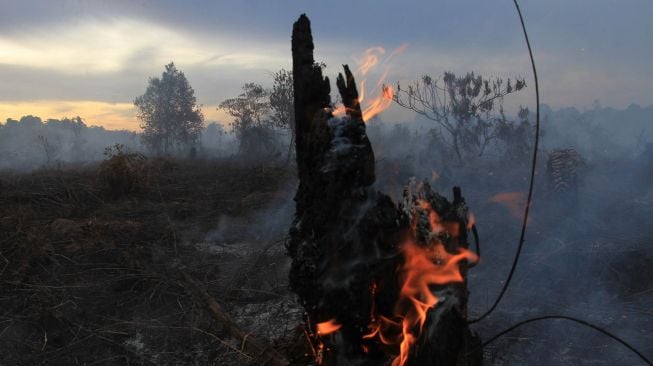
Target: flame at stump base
<point>350,244</point>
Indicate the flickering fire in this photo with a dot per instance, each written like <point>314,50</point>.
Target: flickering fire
<point>328,327</point>
<point>323,329</point>
<point>434,176</point>
<point>370,59</point>
<point>471,221</point>
<point>383,98</point>
<point>513,201</point>
<point>425,265</point>
<point>379,104</point>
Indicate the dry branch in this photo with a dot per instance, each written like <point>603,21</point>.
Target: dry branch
<point>345,241</point>
<point>251,345</point>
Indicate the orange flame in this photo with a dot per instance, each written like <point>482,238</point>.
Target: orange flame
<point>370,59</point>
<point>383,99</point>
<point>424,266</point>
<point>379,104</point>
<point>328,327</point>
<point>323,329</point>
<point>471,221</point>
<point>513,201</point>
<point>434,175</point>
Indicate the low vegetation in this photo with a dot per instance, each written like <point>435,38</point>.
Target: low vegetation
<point>89,257</point>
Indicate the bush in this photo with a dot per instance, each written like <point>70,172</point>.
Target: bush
<point>122,173</point>
<point>258,142</point>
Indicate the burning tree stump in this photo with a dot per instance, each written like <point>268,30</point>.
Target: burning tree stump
<point>381,283</point>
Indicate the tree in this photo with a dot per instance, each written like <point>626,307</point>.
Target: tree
<point>50,150</point>
<point>75,126</point>
<point>281,103</point>
<point>464,107</point>
<point>169,114</point>
<point>252,123</point>
<point>516,136</point>
<point>250,109</point>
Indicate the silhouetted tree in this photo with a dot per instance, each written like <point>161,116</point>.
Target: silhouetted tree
<point>169,114</point>
<point>516,137</point>
<point>213,130</point>
<point>50,150</point>
<point>464,107</point>
<point>30,122</point>
<point>281,103</point>
<point>253,123</point>
<point>75,126</point>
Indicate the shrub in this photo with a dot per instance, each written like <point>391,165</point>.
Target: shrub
<point>122,173</point>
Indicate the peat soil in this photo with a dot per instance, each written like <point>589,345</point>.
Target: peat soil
<point>89,270</point>
<point>90,256</point>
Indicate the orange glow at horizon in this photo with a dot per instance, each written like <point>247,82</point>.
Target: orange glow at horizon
<point>111,116</point>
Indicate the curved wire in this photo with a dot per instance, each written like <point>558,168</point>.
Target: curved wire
<point>530,187</point>
<point>476,241</point>
<point>523,233</point>
<point>563,317</point>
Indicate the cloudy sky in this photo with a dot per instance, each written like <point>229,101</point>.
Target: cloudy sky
<point>92,58</point>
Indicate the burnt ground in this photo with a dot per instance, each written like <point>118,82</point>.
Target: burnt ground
<point>88,271</point>
<point>588,254</point>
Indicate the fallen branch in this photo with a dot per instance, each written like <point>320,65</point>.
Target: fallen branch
<point>251,346</point>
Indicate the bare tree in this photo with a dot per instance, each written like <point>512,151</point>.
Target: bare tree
<point>252,123</point>
<point>516,137</point>
<point>463,107</point>
<point>49,150</point>
<point>281,104</point>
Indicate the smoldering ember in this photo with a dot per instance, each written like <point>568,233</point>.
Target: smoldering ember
<point>309,231</point>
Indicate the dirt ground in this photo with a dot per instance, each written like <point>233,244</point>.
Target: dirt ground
<point>88,272</point>
<point>90,259</point>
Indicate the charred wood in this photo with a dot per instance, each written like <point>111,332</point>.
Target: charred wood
<point>345,240</point>
<point>252,346</point>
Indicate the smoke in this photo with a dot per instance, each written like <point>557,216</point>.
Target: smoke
<point>31,143</point>
<point>270,216</point>
<point>587,252</point>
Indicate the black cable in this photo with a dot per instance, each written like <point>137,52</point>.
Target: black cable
<point>523,234</point>
<point>476,241</point>
<point>564,317</point>
<point>530,187</point>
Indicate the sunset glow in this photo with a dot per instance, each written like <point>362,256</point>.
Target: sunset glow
<point>97,56</point>
<point>112,116</point>
<point>106,50</point>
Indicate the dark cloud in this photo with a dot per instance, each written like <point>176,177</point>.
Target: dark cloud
<point>608,39</point>
<point>20,83</point>
<point>448,22</point>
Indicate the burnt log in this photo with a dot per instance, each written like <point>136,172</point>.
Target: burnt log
<point>346,238</point>
<point>262,353</point>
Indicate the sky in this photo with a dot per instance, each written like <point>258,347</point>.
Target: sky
<point>92,58</point>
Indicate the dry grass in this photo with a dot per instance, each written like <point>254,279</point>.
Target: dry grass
<point>86,263</point>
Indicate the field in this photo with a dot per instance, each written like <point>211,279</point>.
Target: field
<point>92,262</point>
<point>91,276</point>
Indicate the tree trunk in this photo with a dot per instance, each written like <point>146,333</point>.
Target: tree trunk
<point>290,145</point>
<point>346,238</point>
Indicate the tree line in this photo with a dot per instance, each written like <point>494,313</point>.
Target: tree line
<point>466,111</point>
<point>31,142</point>
<point>172,120</point>
<point>467,115</point>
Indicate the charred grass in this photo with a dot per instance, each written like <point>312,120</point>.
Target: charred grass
<point>88,269</point>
